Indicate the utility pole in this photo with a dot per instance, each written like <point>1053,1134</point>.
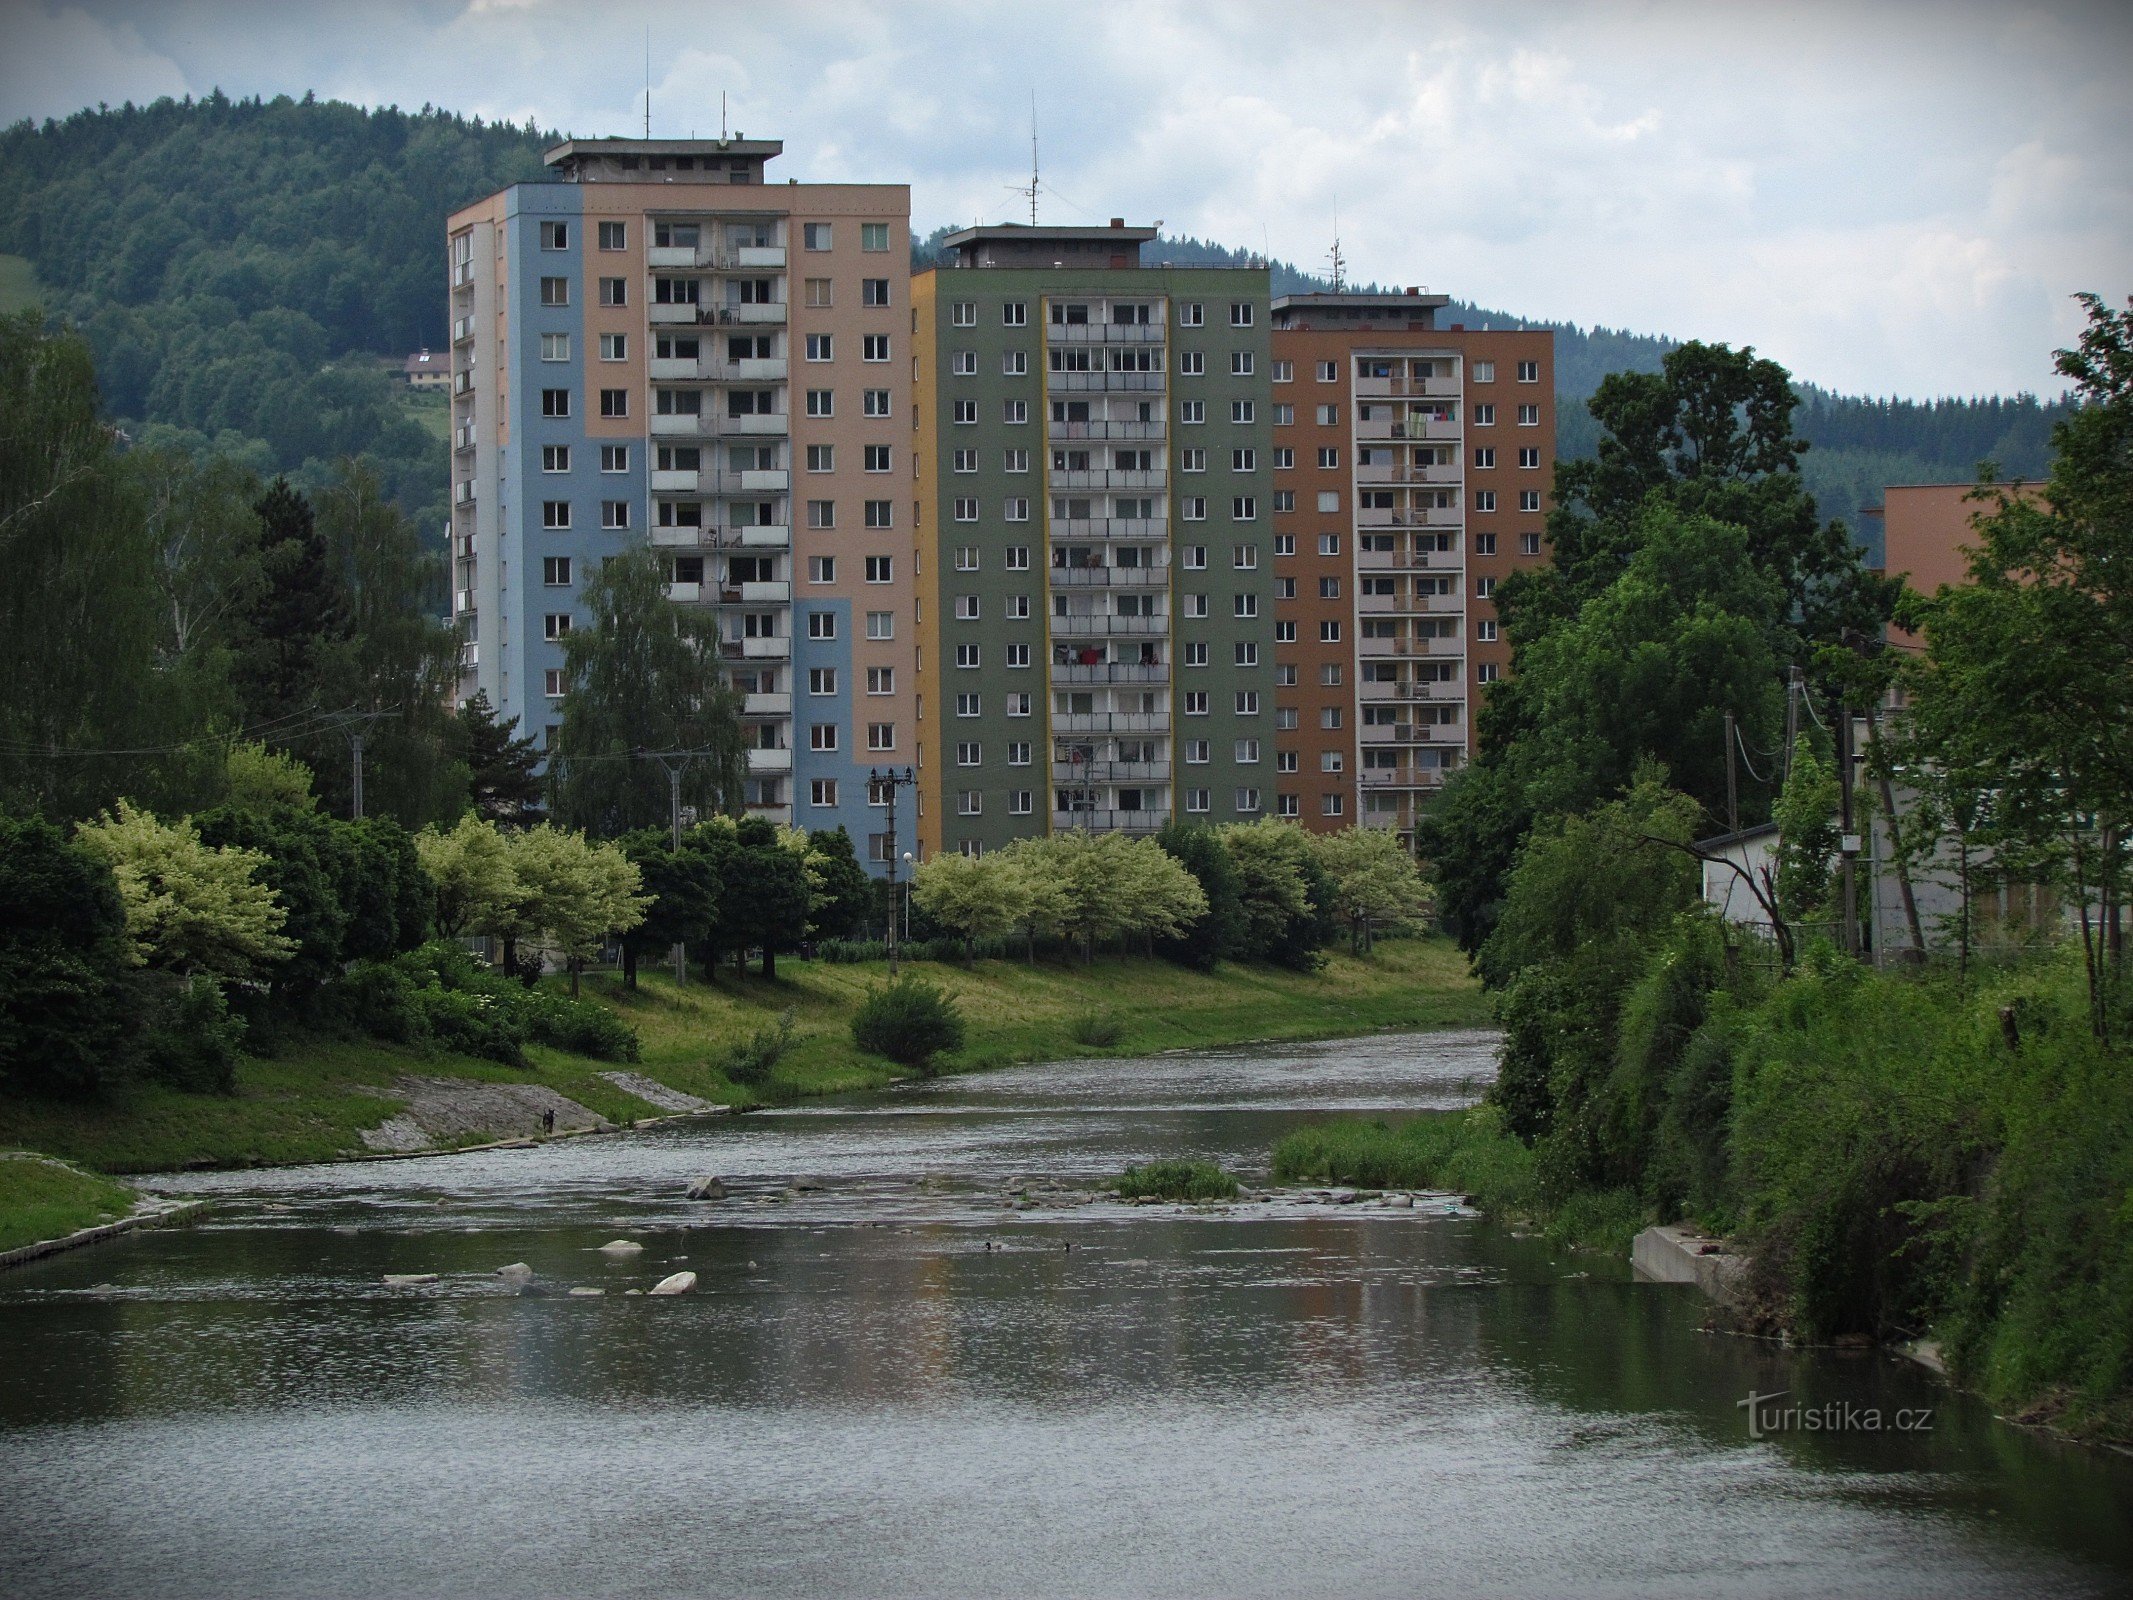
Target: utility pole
<point>1848,841</point>
<point>1792,717</point>
<point>358,733</point>
<point>672,762</point>
<point>890,779</point>
<point>1732,779</point>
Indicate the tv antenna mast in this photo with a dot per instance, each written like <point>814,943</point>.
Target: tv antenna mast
<point>1339,261</point>
<point>1031,187</point>
<point>648,80</point>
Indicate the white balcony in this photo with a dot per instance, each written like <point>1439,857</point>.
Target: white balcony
<point>1109,821</point>
<point>1110,722</point>
<point>462,329</point>
<point>670,482</point>
<point>1110,577</point>
<point>1109,672</point>
<point>759,258</point>
<point>1103,382</point>
<point>688,593</point>
<point>670,255</point>
<point>678,538</point>
<point>760,536</point>
<point>766,594</point>
<point>1105,332</point>
<point>1106,478</point>
<point>770,316</point>
<point>463,493</point>
<point>758,481</point>
<point>682,425</point>
<point>1071,773</point>
<point>773,649</point>
<point>761,762</point>
<point>1105,430</point>
<point>669,315</point>
<point>757,424</point>
<point>766,705</point>
<point>1084,624</point>
<point>463,601</point>
<point>463,436</point>
<point>1077,528</point>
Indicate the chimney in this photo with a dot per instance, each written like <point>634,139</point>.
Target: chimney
<point>1413,289</point>
<point>1118,222</point>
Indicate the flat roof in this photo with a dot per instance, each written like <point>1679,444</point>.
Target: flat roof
<point>1028,233</point>
<point>578,149</point>
<point>1396,299</point>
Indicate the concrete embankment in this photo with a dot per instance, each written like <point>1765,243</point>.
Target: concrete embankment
<point>1678,1254</point>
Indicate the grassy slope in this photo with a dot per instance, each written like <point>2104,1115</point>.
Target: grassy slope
<point>430,407</point>
<point>44,1200</point>
<point>19,288</point>
<point>312,1104</point>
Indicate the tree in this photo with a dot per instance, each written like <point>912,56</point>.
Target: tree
<point>1094,887</point>
<point>683,889</point>
<point>504,769</point>
<point>297,613</point>
<point>1219,931</point>
<point>64,1018</point>
<point>1374,882</point>
<point>1806,816</point>
<point>644,674</point>
<point>576,892</point>
<point>1272,859</point>
<point>973,897</point>
<point>190,907</point>
<point>470,868</point>
<point>258,779</point>
<point>844,894</point>
<point>764,897</point>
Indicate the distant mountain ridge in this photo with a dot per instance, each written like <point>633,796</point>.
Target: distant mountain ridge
<point>239,265</point>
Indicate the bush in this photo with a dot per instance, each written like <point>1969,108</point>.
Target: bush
<point>439,994</point>
<point>910,1021</point>
<point>750,1063</point>
<point>191,1040</point>
<point>582,1026</point>
<point>1462,1152</point>
<point>1177,1180</point>
<point>1098,1029</point>
<point>473,1024</point>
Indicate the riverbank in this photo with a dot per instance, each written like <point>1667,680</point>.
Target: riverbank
<point>319,1100</point>
<point>42,1199</point>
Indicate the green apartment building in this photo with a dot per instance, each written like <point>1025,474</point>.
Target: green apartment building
<point>1092,536</point>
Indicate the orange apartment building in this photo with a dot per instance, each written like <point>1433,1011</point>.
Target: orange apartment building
<point>1412,470</point>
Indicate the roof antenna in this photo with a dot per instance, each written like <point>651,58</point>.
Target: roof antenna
<point>722,116</point>
<point>647,80</point>
<point>1030,188</point>
<point>1340,262</point>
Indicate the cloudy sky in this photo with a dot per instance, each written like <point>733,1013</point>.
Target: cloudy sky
<point>1889,198</point>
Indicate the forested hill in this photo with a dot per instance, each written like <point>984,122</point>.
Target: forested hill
<point>240,265</point>
<point>225,257</point>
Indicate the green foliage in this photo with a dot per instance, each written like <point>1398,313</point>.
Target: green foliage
<point>910,1021</point>
<point>1094,888</point>
<point>45,1199</point>
<point>1806,815</point>
<point>504,783</point>
<point>1463,1152</point>
<point>643,674</point>
<point>844,894</point>
<point>258,779</point>
<point>1176,1180</point>
<point>64,948</point>
<point>439,995</point>
<point>751,1062</point>
<point>1282,923</point>
<point>1099,1030</point>
<point>1372,881</point>
<point>190,906</point>
<point>1218,933</point>
<point>190,1040</point>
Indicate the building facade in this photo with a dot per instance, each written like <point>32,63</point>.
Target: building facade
<point>1412,469</point>
<point>1093,521</point>
<point>658,346</point>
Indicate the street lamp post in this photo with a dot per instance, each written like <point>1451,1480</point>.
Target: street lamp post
<point>889,779</point>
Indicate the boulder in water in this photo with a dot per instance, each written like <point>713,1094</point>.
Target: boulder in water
<point>707,1189</point>
<point>621,1247</point>
<point>408,1280</point>
<point>677,1283</point>
<point>516,1272</point>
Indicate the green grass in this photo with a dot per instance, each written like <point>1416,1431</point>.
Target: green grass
<point>1463,1152</point>
<point>19,288</point>
<point>1177,1180</point>
<point>42,1199</point>
<point>312,1102</point>
<point>430,407</point>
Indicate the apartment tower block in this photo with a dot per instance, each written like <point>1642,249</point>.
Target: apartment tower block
<point>1412,471</point>
<point>656,346</point>
<point>1093,446</point>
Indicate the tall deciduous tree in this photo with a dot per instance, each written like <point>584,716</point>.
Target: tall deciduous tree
<point>1375,883</point>
<point>64,1017</point>
<point>644,674</point>
<point>1218,932</point>
<point>577,893</point>
<point>190,907</point>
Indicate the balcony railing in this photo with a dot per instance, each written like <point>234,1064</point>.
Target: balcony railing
<point>1105,429</point>
<point>1110,577</point>
<point>1086,624</point>
<point>1104,332</point>
<point>1110,821</point>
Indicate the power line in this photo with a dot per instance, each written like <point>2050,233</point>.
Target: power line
<point>296,725</point>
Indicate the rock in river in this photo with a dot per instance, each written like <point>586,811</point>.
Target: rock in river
<point>516,1272</point>
<point>678,1283</point>
<point>707,1189</point>
<point>620,1247</point>
<point>408,1280</point>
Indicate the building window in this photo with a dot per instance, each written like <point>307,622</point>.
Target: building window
<point>1247,702</point>
<point>1284,543</point>
<point>1196,653</point>
<point>1529,416</point>
<point>1014,411</point>
<point>1016,558</point>
<point>881,680</point>
<point>1484,372</point>
<point>1014,314</point>
<point>555,402</point>
<point>1329,372</point>
<point>1018,802</point>
<point>1529,544</point>
<point>555,625</point>
<point>1240,313</point>
<point>1191,314</point>
<point>820,347</point>
<point>1329,544</point>
<point>878,513</point>
<point>874,347</point>
<point>1247,752</point>
<point>1529,372</point>
<point>1194,508</point>
<point>1529,456</point>
<point>614,236</point>
<point>881,736</point>
<point>822,624</point>
<point>1529,499</point>
<point>821,680</point>
<point>1284,633</point>
<point>1484,416</point>
<point>1016,509</point>
<point>969,655</point>
<point>555,291</point>
<point>1285,372</point>
<point>1485,672</point>
<point>818,294</point>
<point>1192,412</point>
<point>555,513</point>
<point>821,569</point>
<point>614,402</point>
<point>873,291</point>
<point>1247,801</point>
<point>969,705</point>
<point>873,237</point>
<point>1485,456</point>
<point>1244,461</point>
<point>963,314</point>
<point>821,458</point>
<point>1484,499</point>
<point>614,292</point>
<point>822,792</point>
<point>822,736</point>
<point>1018,655</point>
<point>969,803</point>
<point>881,624</point>
<point>1191,364</point>
<point>1240,363</point>
<point>555,458</point>
<point>822,513</point>
<point>552,683</point>
<point>1329,632</point>
<point>1242,411</point>
<point>1247,652</point>
<point>1196,703</point>
<point>555,347</point>
<point>614,347</point>
<point>1485,630</point>
<point>815,236</point>
<point>970,753</point>
<point>1245,508</point>
<point>821,403</point>
<point>966,608</point>
<point>614,513</point>
<point>1484,544</point>
<point>555,571</point>
<point>963,364</point>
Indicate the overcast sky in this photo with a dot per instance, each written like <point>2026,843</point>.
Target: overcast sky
<point>1889,198</point>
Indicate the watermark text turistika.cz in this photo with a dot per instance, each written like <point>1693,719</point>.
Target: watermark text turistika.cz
<point>1766,1417</point>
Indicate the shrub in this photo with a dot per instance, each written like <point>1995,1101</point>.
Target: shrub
<point>1099,1029</point>
<point>1465,1152</point>
<point>750,1062</point>
<point>473,1024</point>
<point>910,1021</point>
<point>1177,1180</point>
<point>191,1040</point>
<point>582,1026</point>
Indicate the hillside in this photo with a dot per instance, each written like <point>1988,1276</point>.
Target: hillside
<point>239,265</point>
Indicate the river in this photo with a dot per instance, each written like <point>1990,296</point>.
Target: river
<point>909,1369</point>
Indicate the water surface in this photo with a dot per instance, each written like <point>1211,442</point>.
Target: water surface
<point>919,1363</point>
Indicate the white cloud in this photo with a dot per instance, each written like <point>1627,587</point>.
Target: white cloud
<point>1893,198</point>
